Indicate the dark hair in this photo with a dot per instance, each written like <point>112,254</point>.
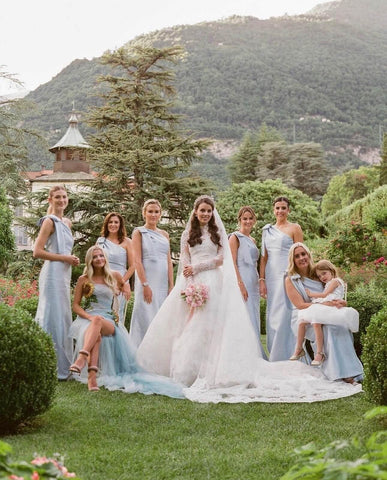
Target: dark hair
<point>281,199</point>
<point>247,209</point>
<point>195,233</point>
<point>121,231</point>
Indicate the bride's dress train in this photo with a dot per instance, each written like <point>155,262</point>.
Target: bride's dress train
<point>215,352</point>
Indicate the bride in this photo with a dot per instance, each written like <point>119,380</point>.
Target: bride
<point>212,348</point>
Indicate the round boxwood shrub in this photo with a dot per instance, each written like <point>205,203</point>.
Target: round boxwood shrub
<point>27,368</point>
<point>29,304</point>
<point>375,358</point>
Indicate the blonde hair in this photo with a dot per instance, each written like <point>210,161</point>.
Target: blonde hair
<point>51,192</point>
<point>325,265</point>
<point>151,201</point>
<point>107,273</point>
<point>292,269</point>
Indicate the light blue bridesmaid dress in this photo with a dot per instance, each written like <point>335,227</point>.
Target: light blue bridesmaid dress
<point>54,308</point>
<point>118,369</point>
<point>341,360</point>
<point>247,258</point>
<point>155,249</point>
<point>279,336</point>
<point>118,260</point>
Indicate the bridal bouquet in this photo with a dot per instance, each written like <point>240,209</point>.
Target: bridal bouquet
<point>195,295</point>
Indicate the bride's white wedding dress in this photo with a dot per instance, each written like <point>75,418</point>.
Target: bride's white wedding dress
<point>214,351</point>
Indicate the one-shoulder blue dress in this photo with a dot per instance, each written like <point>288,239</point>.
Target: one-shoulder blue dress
<point>118,368</point>
<point>247,258</point>
<point>54,308</point>
<point>341,360</point>
<point>155,250</point>
<point>279,335</point>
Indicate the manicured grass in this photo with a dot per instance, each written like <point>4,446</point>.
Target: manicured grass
<point>113,435</point>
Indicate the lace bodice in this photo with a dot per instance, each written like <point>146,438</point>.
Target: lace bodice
<point>204,256</point>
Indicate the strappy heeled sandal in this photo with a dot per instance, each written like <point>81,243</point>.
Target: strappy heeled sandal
<point>300,355</point>
<point>92,388</point>
<point>317,363</point>
<point>75,368</point>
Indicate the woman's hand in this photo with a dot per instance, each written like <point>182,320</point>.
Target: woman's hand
<point>262,289</point>
<point>126,291</point>
<point>147,294</point>
<point>243,290</point>
<point>188,271</point>
<point>72,260</point>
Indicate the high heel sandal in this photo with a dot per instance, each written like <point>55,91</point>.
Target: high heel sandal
<point>300,355</point>
<point>351,380</point>
<point>92,388</point>
<point>75,368</point>
<point>318,363</point>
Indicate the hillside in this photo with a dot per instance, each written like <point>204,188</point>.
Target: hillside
<point>316,77</point>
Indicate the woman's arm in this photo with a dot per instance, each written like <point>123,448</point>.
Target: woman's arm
<point>77,308</point>
<point>46,230</point>
<point>130,259</point>
<point>141,274</point>
<point>294,296</point>
<point>122,286</point>
<point>234,247</point>
<point>297,234</point>
<point>262,275</point>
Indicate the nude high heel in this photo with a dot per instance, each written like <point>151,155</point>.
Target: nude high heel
<point>92,380</point>
<point>318,363</point>
<point>300,355</point>
<point>75,367</point>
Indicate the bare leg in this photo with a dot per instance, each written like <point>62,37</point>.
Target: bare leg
<point>299,351</point>
<point>93,368</point>
<point>319,356</point>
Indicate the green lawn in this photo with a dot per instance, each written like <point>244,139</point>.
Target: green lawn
<point>112,435</point>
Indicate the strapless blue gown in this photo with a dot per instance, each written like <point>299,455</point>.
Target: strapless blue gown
<point>54,308</point>
<point>279,335</point>
<point>155,249</point>
<point>118,367</point>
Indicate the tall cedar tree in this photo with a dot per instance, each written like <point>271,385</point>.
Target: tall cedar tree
<point>138,149</point>
<point>383,164</point>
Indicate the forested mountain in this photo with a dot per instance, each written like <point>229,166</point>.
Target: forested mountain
<point>317,77</point>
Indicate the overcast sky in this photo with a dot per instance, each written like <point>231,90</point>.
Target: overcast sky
<point>38,38</point>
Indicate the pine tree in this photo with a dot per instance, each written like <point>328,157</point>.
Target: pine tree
<point>139,149</point>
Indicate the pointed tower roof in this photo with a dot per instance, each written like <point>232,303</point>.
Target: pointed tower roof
<point>72,138</point>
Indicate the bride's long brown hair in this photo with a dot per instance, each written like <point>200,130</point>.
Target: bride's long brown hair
<point>195,232</point>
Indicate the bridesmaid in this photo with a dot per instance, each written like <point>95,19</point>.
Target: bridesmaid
<point>119,251</point>
<point>154,271</point>
<point>54,245</point>
<point>245,256</point>
<point>276,242</point>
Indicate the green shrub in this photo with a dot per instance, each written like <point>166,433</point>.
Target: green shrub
<point>262,312</point>
<point>27,368</point>
<point>375,358</point>
<point>129,310</point>
<point>368,458</point>
<point>367,299</point>
<point>30,305</point>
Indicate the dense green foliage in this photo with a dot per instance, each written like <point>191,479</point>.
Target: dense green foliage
<point>368,300</point>
<point>375,358</point>
<point>370,210</point>
<point>316,78</point>
<point>260,196</point>
<point>367,458</point>
<point>7,240</point>
<point>348,187</point>
<point>383,165</point>
<point>27,368</point>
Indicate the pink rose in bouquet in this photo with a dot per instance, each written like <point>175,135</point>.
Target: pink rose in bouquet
<point>195,295</point>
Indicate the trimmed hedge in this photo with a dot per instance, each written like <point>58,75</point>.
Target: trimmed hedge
<point>375,358</point>
<point>27,368</point>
